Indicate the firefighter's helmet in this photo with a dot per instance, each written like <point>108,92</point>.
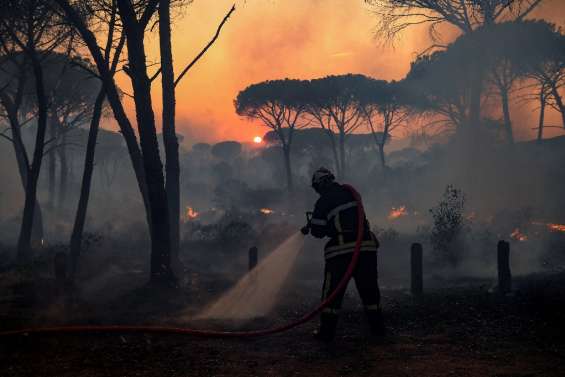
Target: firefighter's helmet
<point>321,177</point>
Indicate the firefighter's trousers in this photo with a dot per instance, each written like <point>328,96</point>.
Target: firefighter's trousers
<point>366,281</point>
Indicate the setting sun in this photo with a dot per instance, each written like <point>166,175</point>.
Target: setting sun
<point>257,139</point>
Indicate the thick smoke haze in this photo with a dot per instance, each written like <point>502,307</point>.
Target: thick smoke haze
<point>291,38</point>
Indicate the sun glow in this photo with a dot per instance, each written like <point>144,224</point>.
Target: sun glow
<point>257,139</point>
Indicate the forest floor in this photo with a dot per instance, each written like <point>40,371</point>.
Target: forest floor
<point>465,330</point>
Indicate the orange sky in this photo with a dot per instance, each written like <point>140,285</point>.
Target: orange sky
<point>269,39</point>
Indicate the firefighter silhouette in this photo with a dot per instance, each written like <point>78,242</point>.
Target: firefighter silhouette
<point>335,216</point>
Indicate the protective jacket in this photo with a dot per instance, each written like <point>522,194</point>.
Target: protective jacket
<point>335,216</point>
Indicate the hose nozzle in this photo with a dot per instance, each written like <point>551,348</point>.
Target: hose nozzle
<point>306,229</point>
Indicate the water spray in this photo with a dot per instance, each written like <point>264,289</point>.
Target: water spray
<point>213,333</point>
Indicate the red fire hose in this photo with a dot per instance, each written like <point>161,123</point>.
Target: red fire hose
<point>212,333</point>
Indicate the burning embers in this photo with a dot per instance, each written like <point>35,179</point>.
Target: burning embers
<point>518,236</point>
<point>556,227</point>
<point>191,213</point>
<point>552,227</point>
<point>266,211</point>
<point>397,212</point>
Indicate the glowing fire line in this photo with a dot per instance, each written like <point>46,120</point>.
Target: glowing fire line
<point>518,236</point>
<point>552,227</point>
<point>191,213</point>
<point>397,212</point>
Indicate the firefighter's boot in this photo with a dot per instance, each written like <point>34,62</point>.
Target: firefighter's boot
<point>328,324</point>
<point>375,318</point>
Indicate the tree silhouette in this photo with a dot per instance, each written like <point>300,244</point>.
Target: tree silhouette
<point>279,105</point>
<point>541,50</point>
<point>14,99</point>
<point>440,83</point>
<point>384,106</point>
<point>72,91</point>
<point>227,150</point>
<point>395,16</point>
<point>32,28</point>
<point>96,113</point>
<point>170,140</point>
<point>332,101</point>
<point>93,19</point>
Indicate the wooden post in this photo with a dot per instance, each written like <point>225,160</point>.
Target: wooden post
<point>416,261</point>
<point>253,257</point>
<point>504,274</point>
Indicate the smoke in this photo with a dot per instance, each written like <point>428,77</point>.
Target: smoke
<point>266,40</point>
<point>256,293</point>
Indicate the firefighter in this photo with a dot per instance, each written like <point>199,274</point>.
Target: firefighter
<point>335,216</point>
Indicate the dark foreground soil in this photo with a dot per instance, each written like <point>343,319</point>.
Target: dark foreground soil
<point>467,331</point>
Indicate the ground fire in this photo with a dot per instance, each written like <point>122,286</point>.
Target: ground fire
<point>557,227</point>
<point>552,227</point>
<point>397,212</point>
<point>191,213</point>
<point>518,236</point>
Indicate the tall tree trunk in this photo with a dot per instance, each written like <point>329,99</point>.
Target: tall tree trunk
<point>63,174</point>
<point>506,114</point>
<point>153,167</point>
<point>170,141</point>
<point>80,217</point>
<point>288,167</point>
<point>382,155</point>
<point>381,145</point>
<point>22,162</point>
<point>334,151</point>
<point>342,158</point>
<point>558,101</point>
<point>541,114</point>
<point>24,239</point>
<point>113,96</point>
<point>384,139</point>
<point>51,164</point>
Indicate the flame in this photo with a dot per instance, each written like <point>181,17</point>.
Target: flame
<point>518,236</point>
<point>556,227</point>
<point>266,211</point>
<point>191,213</point>
<point>397,212</point>
<point>552,227</point>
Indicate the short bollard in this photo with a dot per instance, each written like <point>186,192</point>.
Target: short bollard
<point>504,274</point>
<point>253,256</point>
<point>416,261</point>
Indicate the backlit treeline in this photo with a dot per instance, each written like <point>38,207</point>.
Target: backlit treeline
<point>438,92</point>
<point>58,60</point>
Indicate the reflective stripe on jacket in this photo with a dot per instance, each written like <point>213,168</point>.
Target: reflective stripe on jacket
<point>335,216</point>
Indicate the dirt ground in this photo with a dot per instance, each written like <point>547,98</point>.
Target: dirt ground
<point>467,331</point>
